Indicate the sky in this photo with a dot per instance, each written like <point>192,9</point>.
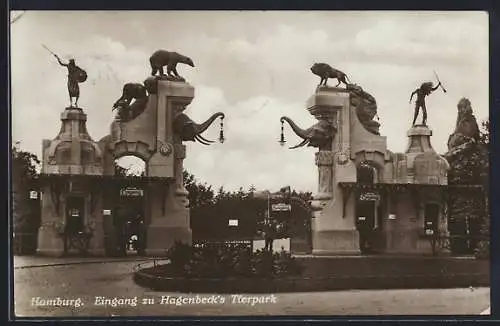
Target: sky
<point>254,67</point>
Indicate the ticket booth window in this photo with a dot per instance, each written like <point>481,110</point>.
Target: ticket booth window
<point>75,214</point>
<point>431,218</point>
<point>366,207</point>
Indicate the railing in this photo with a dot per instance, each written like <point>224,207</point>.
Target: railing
<point>79,241</point>
<point>228,244</point>
<point>154,262</point>
<point>441,242</point>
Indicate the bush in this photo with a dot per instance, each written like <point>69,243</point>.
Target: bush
<point>483,248</point>
<point>180,255</point>
<point>224,262</point>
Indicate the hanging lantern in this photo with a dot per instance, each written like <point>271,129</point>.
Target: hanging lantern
<point>221,133</point>
<point>282,135</point>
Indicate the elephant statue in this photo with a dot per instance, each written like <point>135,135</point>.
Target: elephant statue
<point>189,130</point>
<point>319,135</point>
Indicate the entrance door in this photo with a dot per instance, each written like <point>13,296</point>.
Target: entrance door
<point>129,221</point>
<point>365,212</point>
<point>75,218</point>
<point>431,218</point>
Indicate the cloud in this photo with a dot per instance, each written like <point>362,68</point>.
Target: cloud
<point>251,153</point>
<point>433,42</point>
<point>254,67</point>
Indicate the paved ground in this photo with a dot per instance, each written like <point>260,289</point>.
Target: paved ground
<point>114,280</point>
<point>40,261</point>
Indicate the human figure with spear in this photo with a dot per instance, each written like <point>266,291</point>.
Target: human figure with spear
<point>76,75</point>
<point>423,91</point>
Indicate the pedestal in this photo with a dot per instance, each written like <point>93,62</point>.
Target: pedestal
<point>336,242</point>
<point>173,97</point>
<point>169,223</point>
<point>161,238</point>
<point>49,242</point>
<point>334,230</point>
<point>419,140</point>
<point>97,245</point>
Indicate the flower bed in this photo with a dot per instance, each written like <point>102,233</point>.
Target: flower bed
<point>216,270</point>
<point>226,262</point>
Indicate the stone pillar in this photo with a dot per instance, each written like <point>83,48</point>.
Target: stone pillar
<point>419,140</point>
<point>49,242</point>
<point>180,191</point>
<point>334,230</point>
<point>71,152</point>
<point>168,201</point>
<point>95,221</point>
<point>422,166</point>
<point>172,99</point>
<point>324,161</point>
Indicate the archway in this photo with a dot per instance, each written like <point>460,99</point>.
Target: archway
<point>367,201</point>
<point>130,206</point>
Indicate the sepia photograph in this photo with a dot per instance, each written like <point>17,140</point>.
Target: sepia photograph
<point>249,163</point>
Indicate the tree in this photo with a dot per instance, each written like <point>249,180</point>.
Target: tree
<point>199,193</point>
<point>24,165</point>
<point>468,205</point>
<point>211,211</point>
<point>485,132</point>
<point>121,171</point>
<point>285,224</point>
<point>25,211</point>
<point>201,197</point>
<point>483,247</point>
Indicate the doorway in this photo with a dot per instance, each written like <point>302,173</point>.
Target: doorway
<point>366,207</point>
<point>128,221</point>
<point>75,214</point>
<point>75,235</point>
<point>365,212</point>
<point>431,218</point>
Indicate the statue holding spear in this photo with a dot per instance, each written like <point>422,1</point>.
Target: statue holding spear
<point>76,75</point>
<point>422,92</point>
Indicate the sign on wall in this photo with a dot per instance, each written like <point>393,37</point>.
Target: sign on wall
<point>131,192</point>
<point>281,207</point>
<point>369,196</point>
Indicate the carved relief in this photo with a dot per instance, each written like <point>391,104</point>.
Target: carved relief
<point>165,149</point>
<point>366,108</point>
<point>342,158</point>
<point>178,108</point>
<point>180,151</point>
<point>324,158</point>
<point>325,179</point>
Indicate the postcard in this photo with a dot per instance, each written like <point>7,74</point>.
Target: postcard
<point>250,163</point>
